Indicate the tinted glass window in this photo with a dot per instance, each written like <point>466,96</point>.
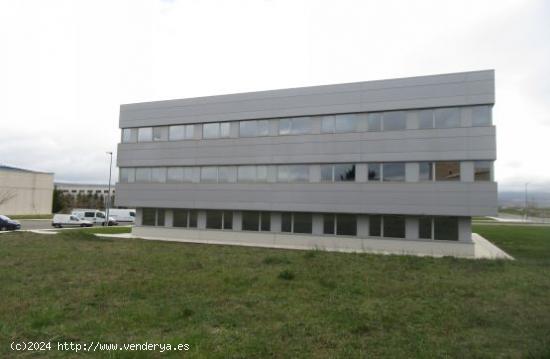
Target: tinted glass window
<point>375,226</point>
<point>177,133</point>
<point>247,174</point>
<point>248,128</point>
<point>425,171</point>
<point>326,173</point>
<point>214,219</point>
<point>158,175</point>
<point>394,226</point>
<point>286,222</point>
<point>209,174</point>
<point>327,124</point>
<point>328,224</point>
<point>298,173</point>
<point>127,175</point>
<point>261,173</point>
<point>193,218</point>
<point>284,126</point>
<point>301,125</point>
<point>129,135</point>
<point>302,222</point>
<point>179,218</point>
<point>188,174</point>
<point>227,174</point>
<point>481,116</point>
<point>347,123</point>
<point>394,172</point>
<point>211,130</point>
<point>374,171</point>
<point>447,117</point>
<point>225,129</point>
<point>344,172</point>
<point>346,225</point>
<point>265,221</point>
<point>148,217</point>
<point>446,228</point>
<point>482,170</point>
<point>447,171</point>
<point>263,128</point>
<point>160,133</point>
<point>395,120</point>
<point>227,220</point>
<point>250,221</point>
<point>189,131</point>
<point>160,217</point>
<point>425,119</point>
<point>143,174</point>
<point>174,174</point>
<point>145,134</point>
<point>374,121</point>
<point>425,227</point>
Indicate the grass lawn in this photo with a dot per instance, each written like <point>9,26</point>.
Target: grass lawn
<point>239,302</point>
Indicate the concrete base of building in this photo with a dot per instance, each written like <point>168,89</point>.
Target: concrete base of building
<point>327,243</point>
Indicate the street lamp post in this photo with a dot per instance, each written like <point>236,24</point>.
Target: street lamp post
<point>525,205</point>
<point>109,190</point>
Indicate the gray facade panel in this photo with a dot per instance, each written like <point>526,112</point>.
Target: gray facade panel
<point>417,92</point>
<point>458,199</point>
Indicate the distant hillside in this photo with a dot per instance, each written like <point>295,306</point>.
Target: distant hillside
<point>517,199</point>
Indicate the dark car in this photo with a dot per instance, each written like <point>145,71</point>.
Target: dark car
<point>7,224</point>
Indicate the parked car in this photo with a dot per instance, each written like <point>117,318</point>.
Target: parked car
<point>123,215</point>
<point>94,216</point>
<point>8,224</point>
<point>69,220</point>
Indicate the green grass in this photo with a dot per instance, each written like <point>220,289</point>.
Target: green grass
<point>106,230</point>
<point>243,302</point>
<point>31,216</point>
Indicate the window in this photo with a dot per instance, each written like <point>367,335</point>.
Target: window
<point>188,174</point>
<point>193,218</point>
<point>346,225</point>
<point>225,129</point>
<point>347,123</point>
<point>246,174</point>
<point>425,227</point>
<point>327,173</point>
<point>374,171</point>
<point>254,128</point>
<point>160,217</point>
<point>180,218</point>
<point>261,173</point>
<point>160,133</point>
<point>127,175</point>
<point>174,175</point>
<point>425,119</point>
<point>302,223</point>
<point>395,120</point>
<point>143,174</point>
<point>447,117</point>
<point>328,224</point>
<point>227,174</point>
<point>446,228</point>
<point>129,135</point>
<point>393,172</point>
<point>481,116</point>
<point>227,220</point>
<point>209,174</point>
<point>447,171</point>
<point>158,175</point>
<point>265,221</point>
<point>327,124</point>
<point>375,226</point>
<point>214,219</point>
<point>374,122</point>
<point>148,217</point>
<point>425,171</point>
<point>176,133</point>
<point>145,134</point>
<point>295,126</point>
<point>250,221</point>
<point>189,132</point>
<point>286,222</point>
<point>344,173</point>
<point>482,170</point>
<point>211,130</point>
<point>293,173</point>
<point>394,226</point>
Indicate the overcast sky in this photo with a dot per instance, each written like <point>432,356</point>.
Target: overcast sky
<point>66,66</point>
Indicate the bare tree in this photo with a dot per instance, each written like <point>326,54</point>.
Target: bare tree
<point>6,195</point>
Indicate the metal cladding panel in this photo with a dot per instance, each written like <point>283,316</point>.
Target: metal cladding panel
<point>460,89</point>
<point>457,199</point>
<point>408,145</point>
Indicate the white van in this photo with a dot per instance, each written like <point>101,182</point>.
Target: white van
<point>123,215</point>
<point>94,216</point>
<point>69,220</point>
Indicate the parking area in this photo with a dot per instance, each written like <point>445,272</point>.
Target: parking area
<point>35,223</point>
